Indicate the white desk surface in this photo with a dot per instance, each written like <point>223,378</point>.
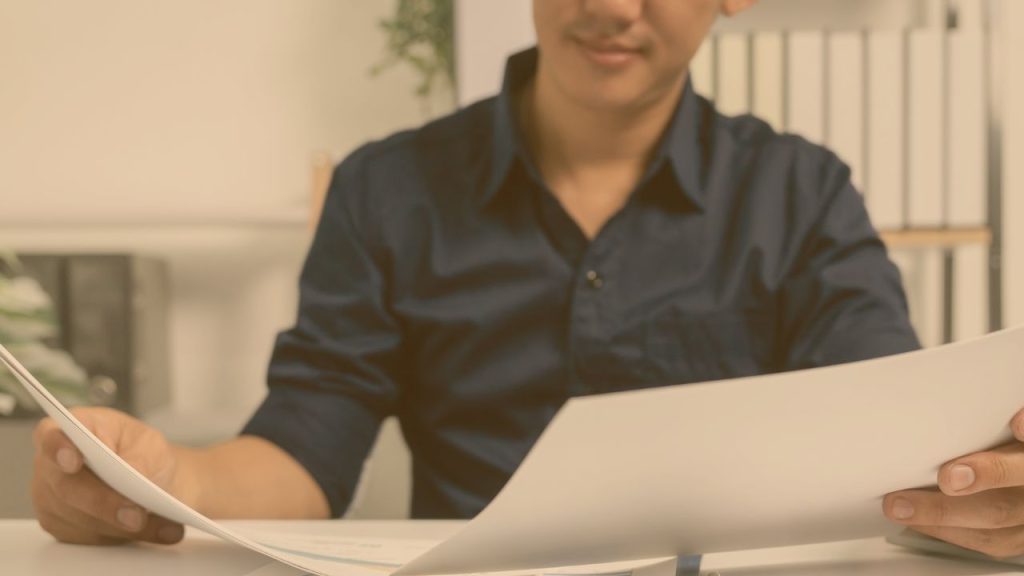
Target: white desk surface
<point>26,550</point>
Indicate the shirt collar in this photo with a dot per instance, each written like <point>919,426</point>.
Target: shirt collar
<point>507,145</point>
<point>682,146</point>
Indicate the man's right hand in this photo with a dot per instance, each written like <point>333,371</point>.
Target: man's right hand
<point>75,506</point>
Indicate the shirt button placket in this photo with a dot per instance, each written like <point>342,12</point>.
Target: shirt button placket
<point>587,332</point>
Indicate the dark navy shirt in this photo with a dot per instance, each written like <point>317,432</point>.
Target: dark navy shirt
<point>446,285</point>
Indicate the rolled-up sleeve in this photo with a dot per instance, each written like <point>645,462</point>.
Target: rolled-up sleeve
<point>844,300</point>
<point>331,378</point>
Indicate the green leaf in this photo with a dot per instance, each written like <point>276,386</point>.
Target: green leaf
<point>420,34</point>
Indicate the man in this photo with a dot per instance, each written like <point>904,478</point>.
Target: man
<point>597,227</point>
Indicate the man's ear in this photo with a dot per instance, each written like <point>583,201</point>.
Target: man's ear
<point>734,7</point>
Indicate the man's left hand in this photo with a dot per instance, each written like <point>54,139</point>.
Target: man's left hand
<point>979,503</point>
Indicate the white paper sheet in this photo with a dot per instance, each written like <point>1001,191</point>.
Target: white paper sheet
<point>767,461</point>
<point>325,556</point>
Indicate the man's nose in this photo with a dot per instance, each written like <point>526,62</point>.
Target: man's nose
<point>614,15</point>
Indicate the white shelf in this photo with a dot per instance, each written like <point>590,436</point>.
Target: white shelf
<point>286,218</point>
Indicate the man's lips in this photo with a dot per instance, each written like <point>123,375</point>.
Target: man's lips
<point>609,54</point>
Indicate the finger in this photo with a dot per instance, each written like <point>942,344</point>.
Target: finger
<point>51,441</point>
<point>148,453</point>
<point>166,531</point>
<point>65,532</point>
<point>89,506</point>
<point>140,446</point>
<point>1017,425</point>
<point>88,494</point>
<point>986,510</point>
<point>157,530</point>
<point>999,543</point>
<point>106,424</point>
<point>1002,467</point>
<point>56,517</point>
<point>96,506</point>
<point>53,445</point>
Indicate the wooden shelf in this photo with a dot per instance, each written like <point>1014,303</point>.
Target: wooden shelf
<point>937,237</point>
<point>285,218</point>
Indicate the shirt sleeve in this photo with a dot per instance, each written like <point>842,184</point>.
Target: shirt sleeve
<point>844,300</point>
<point>331,379</point>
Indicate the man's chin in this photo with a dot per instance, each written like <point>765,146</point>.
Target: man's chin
<point>609,100</point>
<point>620,93</point>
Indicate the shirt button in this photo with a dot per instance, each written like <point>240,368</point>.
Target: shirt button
<point>594,280</point>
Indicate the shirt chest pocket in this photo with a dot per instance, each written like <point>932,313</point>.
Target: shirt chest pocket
<point>683,347</point>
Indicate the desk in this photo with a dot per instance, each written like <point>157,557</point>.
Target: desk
<point>26,550</point>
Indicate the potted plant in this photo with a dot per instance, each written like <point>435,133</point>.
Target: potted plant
<point>420,34</point>
<point>27,320</point>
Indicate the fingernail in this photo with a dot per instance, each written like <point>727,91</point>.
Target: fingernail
<point>170,533</point>
<point>902,509</point>
<point>961,476</point>
<point>130,518</point>
<point>67,460</point>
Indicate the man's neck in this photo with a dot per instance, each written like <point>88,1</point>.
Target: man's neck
<point>591,159</point>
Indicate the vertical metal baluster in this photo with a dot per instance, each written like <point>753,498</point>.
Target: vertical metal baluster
<point>865,112</point>
<point>826,87</point>
<point>993,63</point>
<point>949,22</point>
<point>948,275</point>
<point>905,128</point>
<point>785,81</point>
<point>751,73</point>
<point>949,16</point>
<point>716,81</point>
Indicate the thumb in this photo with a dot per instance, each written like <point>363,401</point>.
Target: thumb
<point>51,443</point>
<point>106,424</point>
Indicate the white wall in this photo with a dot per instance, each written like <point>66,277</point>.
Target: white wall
<point>487,32</point>
<point>1013,207</point>
<point>140,110</point>
<point>187,130</point>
